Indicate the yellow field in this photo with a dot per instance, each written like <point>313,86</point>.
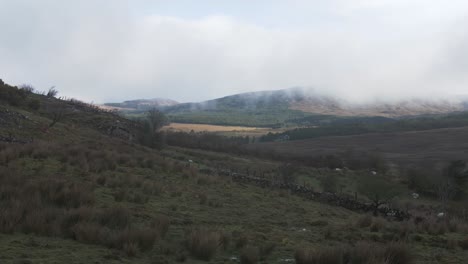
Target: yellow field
<point>231,130</point>
<point>207,128</point>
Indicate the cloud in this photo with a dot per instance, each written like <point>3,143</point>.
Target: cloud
<point>110,51</point>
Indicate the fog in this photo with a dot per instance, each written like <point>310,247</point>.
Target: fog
<point>104,51</point>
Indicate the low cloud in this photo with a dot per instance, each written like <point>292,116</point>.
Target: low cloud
<point>108,52</point>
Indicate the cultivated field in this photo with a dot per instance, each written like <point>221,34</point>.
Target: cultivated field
<point>225,130</point>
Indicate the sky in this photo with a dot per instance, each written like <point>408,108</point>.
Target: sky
<point>114,50</point>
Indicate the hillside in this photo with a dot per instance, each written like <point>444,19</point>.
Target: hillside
<point>77,186</point>
<point>141,104</point>
<point>409,148</point>
<point>294,107</point>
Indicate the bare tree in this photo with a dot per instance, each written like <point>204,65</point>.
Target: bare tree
<point>156,119</point>
<point>450,183</point>
<point>287,173</point>
<point>150,135</point>
<point>376,189</point>
<point>57,113</point>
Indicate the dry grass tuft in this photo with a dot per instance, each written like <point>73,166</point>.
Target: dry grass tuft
<point>362,253</point>
<point>250,255</point>
<point>203,244</point>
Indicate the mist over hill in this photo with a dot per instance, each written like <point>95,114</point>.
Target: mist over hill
<point>303,106</point>
<point>311,101</point>
<point>143,104</point>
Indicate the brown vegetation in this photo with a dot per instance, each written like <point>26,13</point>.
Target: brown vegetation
<point>362,253</point>
<point>203,243</point>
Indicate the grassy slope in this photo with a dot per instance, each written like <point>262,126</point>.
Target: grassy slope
<point>73,151</point>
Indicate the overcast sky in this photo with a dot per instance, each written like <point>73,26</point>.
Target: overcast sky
<point>114,50</point>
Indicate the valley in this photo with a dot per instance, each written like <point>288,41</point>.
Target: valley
<point>79,182</point>
<point>233,132</point>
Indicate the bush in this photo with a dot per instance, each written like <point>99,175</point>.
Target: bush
<point>114,217</point>
<point>396,253</point>
<point>89,232</point>
<point>27,88</point>
<point>266,250</point>
<point>34,104</point>
<point>319,256</point>
<point>143,237</point>
<point>463,244</point>
<point>249,255</point>
<point>52,92</point>
<point>12,95</point>
<point>131,249</point>
<point>377,225</point>
<point>329,183</point>
<point>362,253</point>
<point>203,244</point>
<point>161,224</point>
<point>364,221</point>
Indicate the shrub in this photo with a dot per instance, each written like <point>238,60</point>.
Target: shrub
<point>119,195</point>
<point>52,92</point>
<point>304,256</point>
<point>364,221</point>
<point>328,232</point>
<point>203,244</point>
<point>12,95</point>
<point>152,188</point>
<point>27,88</point>
<point>377,225</point>
<point>203,198</point>
<point>319,256</point>
<point>101,180</point>
<point>266,249</point>
<point>362,253</point>
<point>397,253</point>
<point>249,255</point>
<point>319,223</point>
<point>241,240</point>
<point>225,240</point>
<point>114,217</point>
<point>405,229</point>
<point>143,237</point>
<point>161,224</point>
<point>463,244</point>
<point>329,183</point>
<point>89,232</point>
<point>34,104</point>
<point>452,244</point>
<point>131,249</point>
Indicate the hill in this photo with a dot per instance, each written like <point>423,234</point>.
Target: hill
<point>297,107</point>
<point>78,186</point>
<point>141,104</point>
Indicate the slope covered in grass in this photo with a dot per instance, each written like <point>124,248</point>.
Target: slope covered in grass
<point>81,192</point>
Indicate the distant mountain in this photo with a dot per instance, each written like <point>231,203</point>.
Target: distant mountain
<point>313,103</point>
<point>293,106</point>
<point>299,106</point>
<point>266,108</point>
<point>142,104</point>
<point>310,102</point>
